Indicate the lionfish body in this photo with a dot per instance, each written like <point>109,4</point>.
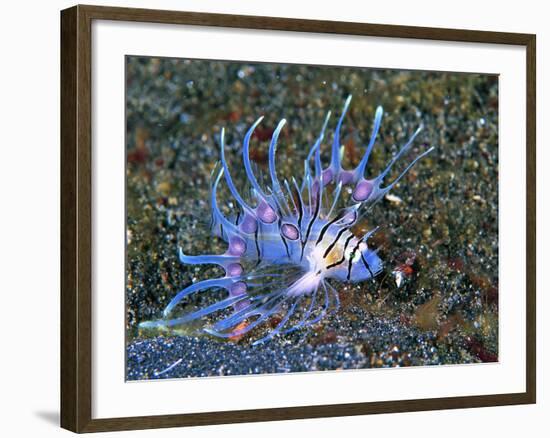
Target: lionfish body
<point>295,235</point>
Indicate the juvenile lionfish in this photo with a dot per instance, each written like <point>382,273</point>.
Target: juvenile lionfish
<point>295,236</point>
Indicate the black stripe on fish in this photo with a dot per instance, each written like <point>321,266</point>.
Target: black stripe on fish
<point>367,265</point>
<point>257,245</point>
<point>329,248</point>
<point>351,257</point>
<point>286,246</point>
<point>300,210</point>
<point>280,202</point>
<point>343,259</point>
<point>326,226</point>
<point>310,225</point>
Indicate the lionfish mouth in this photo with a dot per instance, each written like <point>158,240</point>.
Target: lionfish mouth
<point>289,227</point>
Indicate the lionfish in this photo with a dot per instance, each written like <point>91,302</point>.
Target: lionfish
<point>295,236</point>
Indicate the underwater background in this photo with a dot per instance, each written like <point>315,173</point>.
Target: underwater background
<point>435,303</point>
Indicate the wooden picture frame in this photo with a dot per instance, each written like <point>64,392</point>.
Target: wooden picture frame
<point>76,217</point>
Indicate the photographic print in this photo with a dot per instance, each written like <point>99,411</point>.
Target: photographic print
<point>286,218</point>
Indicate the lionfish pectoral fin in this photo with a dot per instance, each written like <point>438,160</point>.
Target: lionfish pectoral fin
<point>324,310</point>
<point>234,323</point>
<point>281,324</point>
<point>335,295</point>
<point>201,285</point>
<point>269,293</point>
<point>305,317</point>
<point>221,259</point>
<point>257,311</point>
<point>192,316</point>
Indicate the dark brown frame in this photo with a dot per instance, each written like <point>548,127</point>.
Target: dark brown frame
<point>76,222</point>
